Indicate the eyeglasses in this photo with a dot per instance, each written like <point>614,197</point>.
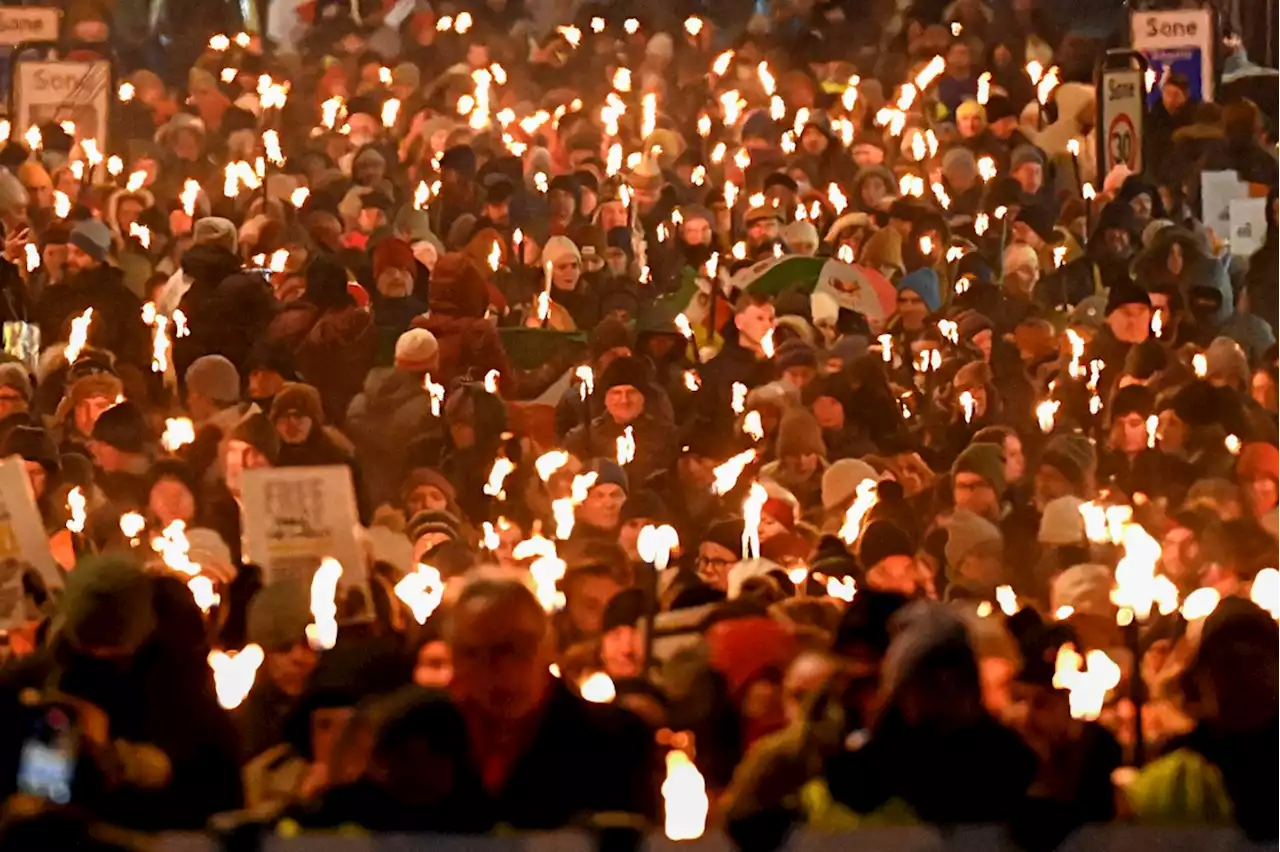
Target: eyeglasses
<point>707,562</point>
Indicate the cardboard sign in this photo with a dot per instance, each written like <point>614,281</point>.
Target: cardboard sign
<point>1177,41</point>
<point>1217,191</point>
<point>50,91</point>
<point>1248,223</point>
<point>20,24</point>
<point>294,517</point>
<point>23,543</point>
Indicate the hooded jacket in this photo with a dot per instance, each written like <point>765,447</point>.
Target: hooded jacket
<point>383,420</point>
<point>117,314</point>
<point>226,309</point>
<point>468,341</point>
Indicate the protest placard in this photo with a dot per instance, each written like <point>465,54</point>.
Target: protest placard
<point>1248,217</point>
<point>294,517</point>
<point>23,544</point>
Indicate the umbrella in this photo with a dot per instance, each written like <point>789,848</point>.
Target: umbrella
<point>851,286</point>
<point>1256,84</point>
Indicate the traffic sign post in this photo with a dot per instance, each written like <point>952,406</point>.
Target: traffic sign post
<point>1122,111</point>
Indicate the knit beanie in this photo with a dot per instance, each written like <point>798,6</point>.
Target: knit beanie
<point>216,231</point>
<point>987,461</point>
<point>417,351</point>
<point>214,377</point>
<point>880,540</point>
<point>298,398</point>
<point>1258,459</point>
<point>796,353</point>
<point>1227,362</point>
<point>610,334</point>
<point>1084,588</point>
<point>959,164</point>
<point>438,522</point>
<point>608,472</point>
<point>727,533</point>
<point>259,432</point>
<point>93,238</point>
<point>1062,524</point>
<point>799,434</point>
<point>1126,293</point>
<point>625,371</point>
<point>278,616</point>
<point>108,604</point>
<point>625,609</point>
<point>33,444</point>
<point>1024,154</point>
<point>558,249</point>
<point>841,480</point>
<point>392,253</point>
<point>1073,456</point>
<point>924,283</point>
<point>13,375</point>
<point>122,426</point>
<point>968,534</point>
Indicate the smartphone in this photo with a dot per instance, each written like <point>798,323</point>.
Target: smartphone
<point>47,763</point>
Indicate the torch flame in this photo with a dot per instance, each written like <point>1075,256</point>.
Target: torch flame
<point>865,497</point>
<point>436,393</point>
<point>597,688</point>
<point>78,337</point>
<point>656,543</point>
<point>322,633</point>
<point>739,401</point>
<point>1045,412</point>
<point>421,591</point>
<point>727,474</point>
<point>234,673</point>
<point>76,504</point>
<point>752,508</point>
<point>843,589</point>
<point>502,467</point>
<point>967,402</point>
<point>626,447</point>
<point>1087,687</point>
<point>1265,591</point>
<point>684,796</point>
<point>1007,600</point>
<point>178,432</point>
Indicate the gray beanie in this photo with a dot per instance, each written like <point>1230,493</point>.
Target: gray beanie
<point>108,604</point>
<point>278,616</point>
<point>1226,361</point>
<point>959,162</point>
<point>14,375</point>
<point>214,377</point>
<point>216,231</point>
<point>968,533</point>
<point>93,238</point>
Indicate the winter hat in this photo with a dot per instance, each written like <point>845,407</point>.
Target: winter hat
<point>93,238</point>
<point>727,533</point>
<point>210,552</point>
<point>1133,399</point>
<point>645,505</point>
<point>608,472</point>
<point>999,107</point>
<point>437,522</point>
<point>1146,359</point>
<point>87,387</point>
<point>558,249</point>
<point>927,633</point>
<point>924,283</point>
<point>297,398</point>
<point>1226,361</point>
<point>33,444</point>
<point>326,282</point>
<point>278,616</point>
<point>256,430</point>
<point>1116,216</point>
<point>122,426</point>
<point>421,476</point>
<point>880,540</point>
<point>744,649</point>
<point>457,287</point>
<point>1258,459</point>
<point>796,353</point>
<point>14,376</point>
<point>841,480</point>
<point>968,534</point>
<point>214,377</point>
<point>1084,588</point>
<point>1073,456</point>
<point>627,370</point>
<point>987,461</point>
<point>1024,154</point>
<point>971,376</point>
<point>108,603</point>
<point>417,351</point>
<point>406,74</point>
<point>971,323</point>
<point>799,434</point>
<point>798,233</point>
<point>959,164</point>
<point>216,231</point>
<point>393,253</point>
<point>1126,293</point>
<point>1062,524</point>
<point>625,609</point>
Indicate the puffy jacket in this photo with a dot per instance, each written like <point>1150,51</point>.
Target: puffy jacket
<point>382,421</point>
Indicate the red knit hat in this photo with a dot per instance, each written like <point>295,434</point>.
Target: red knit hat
<point>1259,459</point>
<point>392,253</point>
<point>744,649</point>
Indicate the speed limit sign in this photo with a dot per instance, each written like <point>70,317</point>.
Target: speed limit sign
<point>1121,107</point>
<point>1122,143</point>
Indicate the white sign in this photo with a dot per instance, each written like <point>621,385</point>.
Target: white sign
<point>27,23</point>
<point>23,544</point>
<point>1217,191</point>
<point>1121,119</point>
<point>294,517</point>
<point>1248,218</point>
<point>1180,40</point>
<point>51,91</point>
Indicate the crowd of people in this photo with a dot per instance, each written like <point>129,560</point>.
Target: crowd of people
<point>780,392</point>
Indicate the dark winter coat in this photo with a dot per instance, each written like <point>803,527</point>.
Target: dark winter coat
<point>226,309</point>
<point>466,343</point>
<point>117,314</point>
<point>337,353</point>
<point>390,413</point>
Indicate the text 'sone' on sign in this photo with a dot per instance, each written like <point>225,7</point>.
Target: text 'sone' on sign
<point>47,91</point>
<point>1177,41</point>
<point>27,23</point>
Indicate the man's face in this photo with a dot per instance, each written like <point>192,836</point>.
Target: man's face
<point>37,476</point>
<point>697,232</point>
<point>289,670</point>
<point>41,194</point>
<point>88,411</point>
<point>501,654</point>
<point>426,498</point>
<point>762,231</point>
<point>612,215</point>
<point>1173,98</point>
<point>1050,485</point>
<point>958,59</point>
<point>562,204</point>
<point>911,307</point>
<point>970,491</point>
<point>714,564</point>
<point>829,412</point>
<point>1015,461</point>
<point>799,377</point>
<point>1130,323</point>
<point>1141,204</point>
<point>1030,176</point>
<point>624,403</point>
<point>1118,243</point>
<point>1003,128</point>
<point>586,598</point>
<point>1129,433</point>
<point>754,322</point>
<point>898,574</point>
<point>77,260</point>
<point>293,427</point>
<point>498,214</point>
<point>867,155</point>
<point>170,500</point>
<point>813,141</point>
<point>11,402</point>
<point>622,652</point>
<point>603,506</point>
<point>969,125</point>
<point>54,259</point>
<point>982,342</point>
<point>369,219</point>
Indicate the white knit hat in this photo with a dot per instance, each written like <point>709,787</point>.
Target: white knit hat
<point>416,351</point>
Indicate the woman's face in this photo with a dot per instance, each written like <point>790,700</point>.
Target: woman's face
<point>873,191</point>
<point>1261,493</point>
<point>1175,259</point>
<point>170,500</point>
<point>426,498</point>
<point>566,272</point>
<point>434,666</point>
